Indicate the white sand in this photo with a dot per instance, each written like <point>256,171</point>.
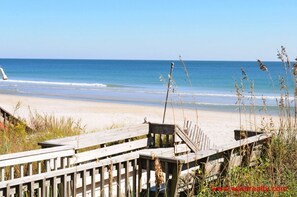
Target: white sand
<point>219,126</point>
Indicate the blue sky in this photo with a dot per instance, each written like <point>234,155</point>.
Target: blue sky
<point>198,30</point>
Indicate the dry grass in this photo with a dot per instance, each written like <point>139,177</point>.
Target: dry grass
<point>278,166</point>
<point>14,138</point>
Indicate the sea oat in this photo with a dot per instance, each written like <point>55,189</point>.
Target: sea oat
<point>158,171</point>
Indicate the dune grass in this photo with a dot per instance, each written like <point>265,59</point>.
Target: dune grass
<point>14,138</point>
<point>277,168</point>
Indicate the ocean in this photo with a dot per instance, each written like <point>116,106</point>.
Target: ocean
<point>205,85</point>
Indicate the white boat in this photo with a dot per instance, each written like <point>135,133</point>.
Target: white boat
<point>4,77</point>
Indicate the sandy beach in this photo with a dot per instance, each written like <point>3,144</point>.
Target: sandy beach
<point>219,126</point>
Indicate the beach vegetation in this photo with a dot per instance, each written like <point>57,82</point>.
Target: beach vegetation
<point>15,138</point>
<point>276,171</point>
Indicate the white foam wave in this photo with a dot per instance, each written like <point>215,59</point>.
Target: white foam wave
<point>57,83</point>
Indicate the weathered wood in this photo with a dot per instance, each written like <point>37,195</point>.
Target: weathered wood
<point>139,176</point>
<point>127,167</point>
<point>172,185</point>
<point>135,172</point>
<point>110,150</point>
<point>242,134</point>
<point>71,170</point>
<point>97,138</point>
<point>90,166</point>
<point>119,178</point>
<point>186,139</point>
<point>35,155</point>
<point>93,182</point>
<point>148,177</point>
<point>181,148</point>
<point>64,185</point>
<point>165,129</point>
<point>102,172</point>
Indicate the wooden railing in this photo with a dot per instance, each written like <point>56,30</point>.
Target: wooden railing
<point>8,118</point>
<point>122,162</point>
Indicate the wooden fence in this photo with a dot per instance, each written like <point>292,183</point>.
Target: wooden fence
<point>121,162</point>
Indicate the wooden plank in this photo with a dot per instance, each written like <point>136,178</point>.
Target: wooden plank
<point>162,159</point>
<point>127,167</point>
<point>11,172</point>
<point>110,177</point>
<point>197,136</point>
<point>135,171</point>
<point>7,191</point>
<point>31,189</point>
<point>172,186</point>
<point>110,150</point>
<point>181,148</point>
<point>75,169</point>
<point>165,152</point>
<point>64,185</point>
<point>93,182</point>
<point>177,139</point>
<point>166,129</point>
<point>206,153</point>
<point>84,183</point>
<point>119,177</point>
<point>186,139</point>
<point>43,187</point>
<point>148,177</point>
<point>102,172</point>
<point>55,187</point>
<point>35,155</point>
<point>74,182</point>
<point>139,176</point>
<point>2,172</point>
<point>101,137</point>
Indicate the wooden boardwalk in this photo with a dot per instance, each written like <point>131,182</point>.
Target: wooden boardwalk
<point>123,162</point>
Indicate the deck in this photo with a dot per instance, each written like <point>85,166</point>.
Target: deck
<point>125,161</point>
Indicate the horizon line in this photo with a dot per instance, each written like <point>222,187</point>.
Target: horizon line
<point>123,59</point>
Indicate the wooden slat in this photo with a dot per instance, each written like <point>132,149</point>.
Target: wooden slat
<point>64,185</point>
<point>186,139</point>
<point>2,172</point>
<point>102,172</point>
<point>84,183</point>
<point>111,150</point>
<point>165,129</point>
<point>36,155</point>
<point>74,182</point>
<point>127,167</point>
<point>110,177</point>
<point>93,181</point>
<point>181,148</point>
<point>119,177</point>
<point>148,177</point>
<point>206,153</point>
<point>55,187</point>
<point>97,138</point>
<point>76,169</point>
<point>135,171</point>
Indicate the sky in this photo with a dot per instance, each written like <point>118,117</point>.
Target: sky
<point>153,30</point>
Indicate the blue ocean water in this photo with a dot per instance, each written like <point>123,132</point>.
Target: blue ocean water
<point>210,85</point>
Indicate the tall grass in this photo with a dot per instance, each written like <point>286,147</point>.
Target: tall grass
<point>278,166</point>
<point>14,138</point>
